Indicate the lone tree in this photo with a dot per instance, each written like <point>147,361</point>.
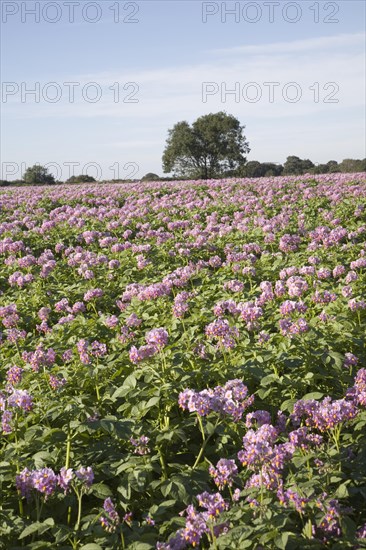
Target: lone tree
<point>214,146</point>
<point>38,175</point>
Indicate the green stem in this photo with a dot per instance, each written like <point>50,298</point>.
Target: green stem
<point>96,382</point>
<point>336,433</point>
<point>205,441</point>
<point>213,538</point>
<point>94,309</point>
<point>77,524</point>
<point>261,496</point>
<point>163,362</point>
<point>67,465</point>
<point>68,448</point>
<point>69,515</point>
<point>184,329</point>
<point>38,513</point>
<point>97,387</point>
<point>202,450</point>
<point>201,427</point>
<point>166,417</point>
<point>18,351</point>
<point>163,463</point>
<point>20,500</point>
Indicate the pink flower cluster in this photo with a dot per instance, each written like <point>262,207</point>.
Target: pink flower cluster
<point>221,331</point>
<point>156,340</point>
<point>45,481</point>
<point>231,399</point>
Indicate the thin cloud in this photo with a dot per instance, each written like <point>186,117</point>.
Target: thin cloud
<point>322,43</point>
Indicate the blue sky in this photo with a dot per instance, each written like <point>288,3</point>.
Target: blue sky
<point>296,70</point>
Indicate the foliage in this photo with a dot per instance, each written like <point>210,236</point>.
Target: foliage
<point>352,165</point>
<point>213,146</point>
<point>295,165</point>
<point>82,178</point>
<point>255,169</point>
<point>38,175</point>
<point>150,176</point>
<point>183,363</point>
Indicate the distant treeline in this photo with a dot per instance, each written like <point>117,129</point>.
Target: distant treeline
<point>296,166</point>
<point>38,175</point>
<point>293,166</point>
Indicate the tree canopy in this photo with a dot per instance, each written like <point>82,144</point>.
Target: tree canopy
<point>150,176</point>
<point>295,165</point>
<point>82,178</point>
<point>255,169</point>
<point>213,146</point>
<point>38,175</point>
